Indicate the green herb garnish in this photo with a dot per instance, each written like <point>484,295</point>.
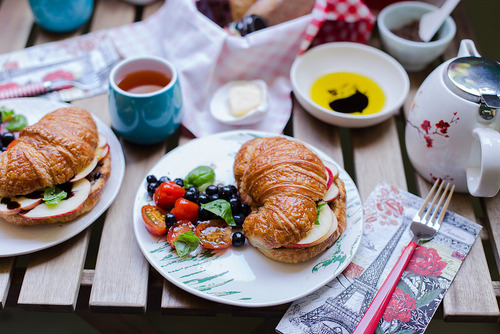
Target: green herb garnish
<point>53,195</point>
<point>221,208</point>
<point>200,177</point>
<point>6,114</point>
<point>186,243</point>
<point>17,123</point>
<point>318,210</point>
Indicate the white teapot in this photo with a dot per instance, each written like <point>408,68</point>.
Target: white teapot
<point>452,130</point>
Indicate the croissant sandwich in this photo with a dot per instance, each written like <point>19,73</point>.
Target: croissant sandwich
<point>55,171</point>
<point>298,204</point>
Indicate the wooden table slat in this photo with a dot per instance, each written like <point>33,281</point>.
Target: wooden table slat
<point>53,276</point>
<point>15,16</point>
<point>377,157</point>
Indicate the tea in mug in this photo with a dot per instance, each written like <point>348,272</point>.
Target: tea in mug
<point>143,82</point>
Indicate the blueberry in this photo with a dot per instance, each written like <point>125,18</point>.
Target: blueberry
<point>203,198</point>
<point>7,138</point>
<point>212,189</point>
<point>164,179</point>
<point>151,187</point>
<point>225,192</point>
<point>151,179</point>
<point>235,205</point>
<point>179,182</point>
<point>170,219</point>
<point>213,197</point>
<point>204,214</point>
<point>239,219</point>
<point>245,209</point>
<point>238,239</point>
<point>191,196</point>
<point>233,189</point>
<point>193,189</point>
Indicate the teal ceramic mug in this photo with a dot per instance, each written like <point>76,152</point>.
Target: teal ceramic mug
<point>145,100</point>
<point>61,15</point>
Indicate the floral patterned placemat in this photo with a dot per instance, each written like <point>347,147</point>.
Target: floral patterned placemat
<point>339,306</point>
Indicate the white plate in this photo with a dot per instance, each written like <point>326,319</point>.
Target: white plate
<point>241,276</point>
<point>18,240</point>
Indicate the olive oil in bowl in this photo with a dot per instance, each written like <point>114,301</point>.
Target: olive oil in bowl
<point>348,93</point>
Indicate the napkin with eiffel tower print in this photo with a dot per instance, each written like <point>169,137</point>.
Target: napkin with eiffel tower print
<point>388,212</point>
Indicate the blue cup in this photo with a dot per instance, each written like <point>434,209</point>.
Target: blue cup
<point>144,117</point>
<point>61,15</point>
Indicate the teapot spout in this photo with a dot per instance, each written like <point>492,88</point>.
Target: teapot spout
<point>467,49</point>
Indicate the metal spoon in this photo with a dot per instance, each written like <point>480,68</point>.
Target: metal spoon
<point>432,21</point>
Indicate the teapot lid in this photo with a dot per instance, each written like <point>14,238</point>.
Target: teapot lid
<point>476,79</point>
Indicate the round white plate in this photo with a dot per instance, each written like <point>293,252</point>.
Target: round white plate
<point>241,276</point>
<point>18,240</point>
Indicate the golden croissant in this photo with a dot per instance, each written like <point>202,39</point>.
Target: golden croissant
<point>49,153</point>
<point>284,181</point>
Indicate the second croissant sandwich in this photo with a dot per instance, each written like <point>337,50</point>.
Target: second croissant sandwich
<point>55,171</point>
<point>298,204</point>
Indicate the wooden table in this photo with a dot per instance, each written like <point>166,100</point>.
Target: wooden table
<point>87,274</point>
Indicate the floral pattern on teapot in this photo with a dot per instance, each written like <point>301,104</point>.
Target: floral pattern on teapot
<point>428,132</point>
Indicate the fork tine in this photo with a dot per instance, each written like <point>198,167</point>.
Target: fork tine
<point>431,192</point>
<point>437,224</point>
<point>436,196</point>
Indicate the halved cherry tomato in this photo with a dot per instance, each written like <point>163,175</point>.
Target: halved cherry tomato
<point>185,210</point>
<point>154,219</point>
<point>167,193</point>
<point>177,229</point>
<point>214,234</point>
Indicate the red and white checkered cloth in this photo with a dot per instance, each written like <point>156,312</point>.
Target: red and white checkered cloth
<point>338,20</point>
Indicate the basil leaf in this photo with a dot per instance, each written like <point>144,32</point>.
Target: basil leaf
<point>6,114</point>
<point>186,243</point>
<point>318,210</point>
<point>17,123</point>
<point>53,195</point>
<point>221,208</point>
<point>200,177</point>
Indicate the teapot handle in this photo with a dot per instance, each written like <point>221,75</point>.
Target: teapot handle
<point>483,170</point>
<point>467,49</point>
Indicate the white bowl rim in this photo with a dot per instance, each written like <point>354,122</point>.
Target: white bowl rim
<point>363,47</point>
<point>414,4</point>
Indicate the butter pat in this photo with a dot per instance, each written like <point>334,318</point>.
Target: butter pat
<point>244,97</point>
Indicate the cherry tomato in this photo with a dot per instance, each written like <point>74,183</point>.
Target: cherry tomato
<point>177,229</point>
<point>166,194</point>
<point>154,219</point>
<point>185,210</point>
<point>214,234</point>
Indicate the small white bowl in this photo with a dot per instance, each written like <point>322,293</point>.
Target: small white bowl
<point>356,58</point>
<point>220,110</point>
<point>414,56</point>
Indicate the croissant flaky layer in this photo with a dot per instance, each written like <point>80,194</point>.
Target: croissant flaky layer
<point>281,180</point>
<point>49,152</point>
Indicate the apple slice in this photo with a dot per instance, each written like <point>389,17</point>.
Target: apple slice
<point>332,193</point>
<point>102,140</point>
<point>13,205</point>
<point>320,232</point>
<point>79,193</point>
<point>86,171</point>
<point>332,170</point>
<point>102,151</point>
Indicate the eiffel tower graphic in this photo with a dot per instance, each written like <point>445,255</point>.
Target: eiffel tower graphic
<point>343,312</point>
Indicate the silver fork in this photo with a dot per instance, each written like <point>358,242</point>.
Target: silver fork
<point>423,227</point>
<point>86,82</point>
